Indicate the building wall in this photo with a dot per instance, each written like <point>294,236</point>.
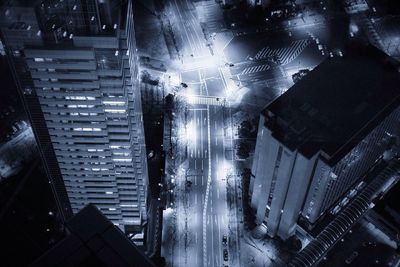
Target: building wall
<point>88,101</point>
<point>85,109</point>
<point>272,169</point>
<point>15,38</point>
<point>349,170</point>
<point>299,182</point>
<point>287,184</point>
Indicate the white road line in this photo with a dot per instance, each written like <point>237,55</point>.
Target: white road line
<point>195,199</point>
<point>208,187</point>
<point>216,140</point>
<point>218,193</point>
<point>202,164</point>
<point>219,239</point>
<point>216,158</point>
<point>195,143</point>
<point>195,180</point>
<point>202,180</point>
<point>184,28</point>
<point>195,164</point>
<point>201,135</point>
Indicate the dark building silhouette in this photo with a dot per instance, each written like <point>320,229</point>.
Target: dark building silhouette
<point>75,65</point>
<point>318,140</point>
<point>93,240</point>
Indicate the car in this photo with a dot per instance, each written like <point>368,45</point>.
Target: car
<point>351,258</point>
<point>224,240</point>
<point>184,85</point>
<point>225,254</point>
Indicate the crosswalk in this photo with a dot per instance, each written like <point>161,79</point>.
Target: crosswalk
<point>206,100</point>
<point>285,54</point>
<point>254,69</point>
<point>369,28</point>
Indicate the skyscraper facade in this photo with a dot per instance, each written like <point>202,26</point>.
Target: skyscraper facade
<point>82,96</point>
<point>318,140</point>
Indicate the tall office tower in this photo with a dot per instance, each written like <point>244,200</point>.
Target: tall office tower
<point>317,140</point>
<point>80,89</point>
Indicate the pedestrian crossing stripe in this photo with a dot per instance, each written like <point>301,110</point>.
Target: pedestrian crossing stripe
<point>206,100</point>
<point>257,68</point>
<point>286,54</point>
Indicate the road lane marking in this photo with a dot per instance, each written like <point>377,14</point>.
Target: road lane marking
<point>207,188</point>
<point>195,164</point>
<point>201,133</point>
<point>202,164</point>
<point>195,181</point>
<point>219,240</point>
<point>202,180</point>
<point>184,28</point>
<point>216,158</point>
<point>195,199</point>
<point>218,193</point>
<point>216,140</point>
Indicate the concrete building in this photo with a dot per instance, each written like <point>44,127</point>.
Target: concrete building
<point>78,77</point>
<point>88,244</point>
<point>317,140</point>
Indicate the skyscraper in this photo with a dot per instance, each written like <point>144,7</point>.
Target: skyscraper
<point>318,140</point>
<point>78,76</point>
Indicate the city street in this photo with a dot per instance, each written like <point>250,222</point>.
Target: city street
<point>201,201</point>
<point>206,202</point>
<point>203,197</point>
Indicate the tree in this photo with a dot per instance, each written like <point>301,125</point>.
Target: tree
<point>243,150</point>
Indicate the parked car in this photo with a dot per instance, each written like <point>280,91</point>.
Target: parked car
<point>225,254</point>
<point>224,240</point>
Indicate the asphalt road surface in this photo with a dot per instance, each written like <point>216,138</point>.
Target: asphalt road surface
<point>208,166</point>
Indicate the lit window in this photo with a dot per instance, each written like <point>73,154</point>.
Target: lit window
<point>39,59</point>
<point>114,103</point>
<point>129,205</point>
<point>120,154</point>
<point>120,111</point>
<point>122,160</point>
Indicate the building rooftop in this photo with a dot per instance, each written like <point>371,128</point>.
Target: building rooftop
<point>93,241</point>
<point>335,106</point>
